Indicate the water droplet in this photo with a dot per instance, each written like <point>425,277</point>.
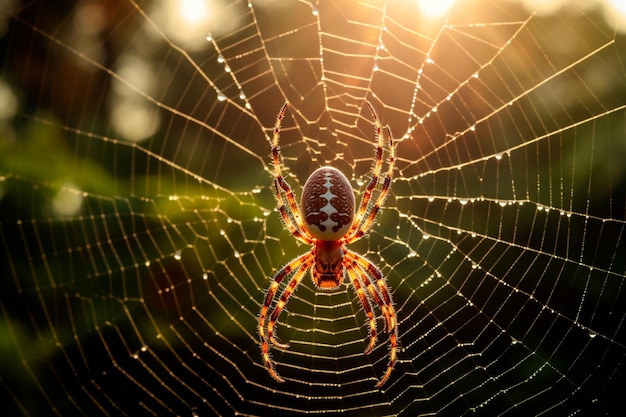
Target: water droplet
<point>315,11</point>
<point>242,95</point>
<point>227,68</point>
<point>220,96</point>
<point>178,255</point>
<point>220,59</point>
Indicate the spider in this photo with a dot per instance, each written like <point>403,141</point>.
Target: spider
<point>327,220</point>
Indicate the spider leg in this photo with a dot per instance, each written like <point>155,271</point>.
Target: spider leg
<point>307,262</point>
<point>290,211</point>
<point>300,265</point>
<point>354,274</point>
<point>378,165</point>
<point>364,220</point>
<point>386,303</point>
<point>367,270</point>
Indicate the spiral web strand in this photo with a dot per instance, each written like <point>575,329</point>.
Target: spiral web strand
<point>139,231</point>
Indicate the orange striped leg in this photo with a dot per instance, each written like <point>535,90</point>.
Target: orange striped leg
<point>378,166</point>
<point>290,211</point>
<point>367,306</point>
<point>362,224</point>
<point>297,265</point>
<point>367,270</point>
<point>284,297</point>
<point>393,342</point>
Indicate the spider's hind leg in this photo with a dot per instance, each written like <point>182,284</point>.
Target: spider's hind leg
<point>375,283</point>
<point>300,265</point>
<point>354,274</point>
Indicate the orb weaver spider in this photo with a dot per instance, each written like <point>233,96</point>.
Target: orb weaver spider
<point>327,220</point>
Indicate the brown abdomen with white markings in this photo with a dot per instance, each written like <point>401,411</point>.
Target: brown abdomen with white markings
<point>327,204</point>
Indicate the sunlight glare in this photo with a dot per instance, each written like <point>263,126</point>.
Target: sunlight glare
<point>135,120</point>
<point>544,7</point>
<point>194,11</point>
<point>618,5</point>
<point>131,114</point>
<point>615,13</point>
<point>67,201</point>
<point>8,101</point>
<point>435,8</point>
<point>188,22</point>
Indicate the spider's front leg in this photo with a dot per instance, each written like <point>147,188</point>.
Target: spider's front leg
<point>364,218</point>
<point>289,210</point>
<point>300,265</point>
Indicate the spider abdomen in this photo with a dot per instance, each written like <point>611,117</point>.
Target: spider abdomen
<point>327,204</point>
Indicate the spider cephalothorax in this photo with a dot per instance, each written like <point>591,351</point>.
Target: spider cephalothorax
<point>327,220</point>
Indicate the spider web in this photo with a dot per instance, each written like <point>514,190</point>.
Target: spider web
<point>139,234</point>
